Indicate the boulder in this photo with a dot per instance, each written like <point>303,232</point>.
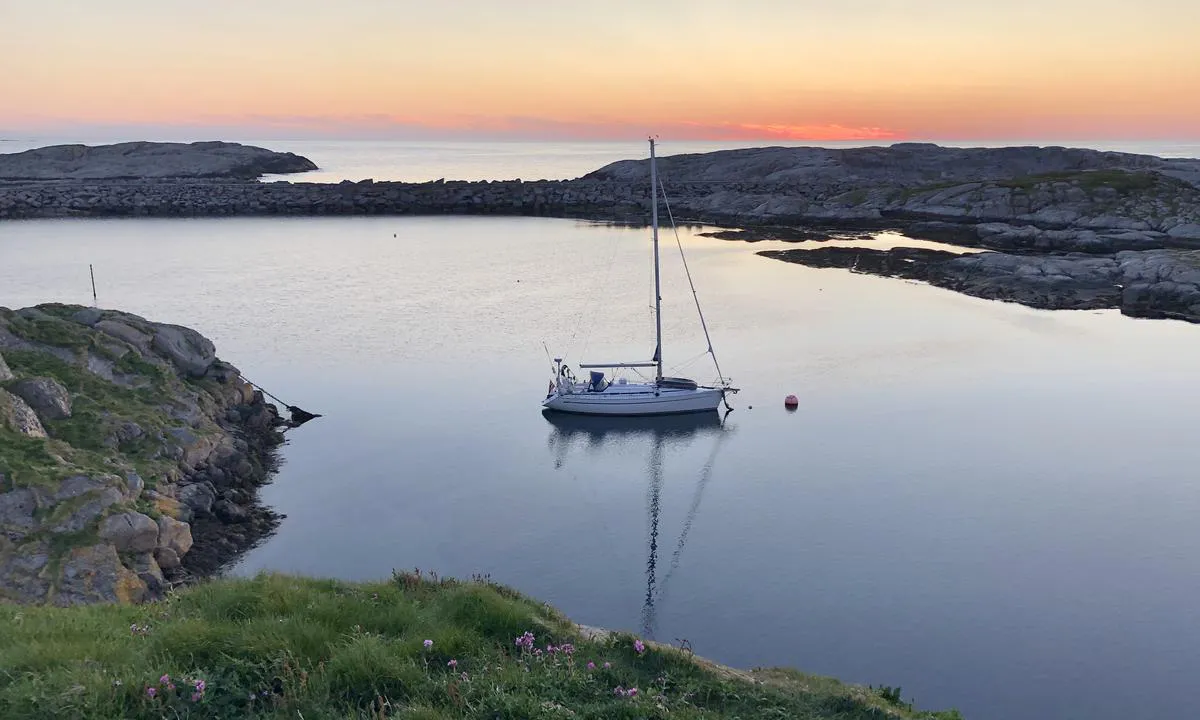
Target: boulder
<point>17,415</point>
<point>16,513</point>
<point>174,535</point>
<point>24,574</point>
<point>88,316</point>
<point>95,574</point>
<point>5,372</point>
<point>199,497</point>
<point>75,516</point>
<point>49,399</point>
<point>77,485</point>
<point>149,572</point>
<point>1185,231</point>
<point>187,349</point>
<point>167,558</point>
<point>135,485</point>
<point>130,532</point>
<point>229,512</point>
<point>122,331</point>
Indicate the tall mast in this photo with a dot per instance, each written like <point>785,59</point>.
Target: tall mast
<point>657,285</point>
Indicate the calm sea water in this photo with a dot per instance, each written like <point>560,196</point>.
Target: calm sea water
<point>990,506</point>
<point>413,161</point>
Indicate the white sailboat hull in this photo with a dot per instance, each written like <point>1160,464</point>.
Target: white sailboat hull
<point>636,400</point>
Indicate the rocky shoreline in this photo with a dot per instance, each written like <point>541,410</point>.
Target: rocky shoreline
<point>1067,215</point>
<point>130,457</point>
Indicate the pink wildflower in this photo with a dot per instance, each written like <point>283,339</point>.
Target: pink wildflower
<point>196,696</point>
<point>525,641</point>
<point>631,692</point>
<point>453,663</point>
<point>591,665</point>
<point>164,680</point>
<point>619,691</point>
<point>200,685</point>
<point>428,644</point>
<point>151,692</point>
<point>639,646</point>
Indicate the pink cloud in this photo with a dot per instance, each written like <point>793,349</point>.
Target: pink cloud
<point>459,127</point>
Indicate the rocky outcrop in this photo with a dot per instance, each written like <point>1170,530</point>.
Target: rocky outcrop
<point>149,160</point>
<point>187,349</point>
<point>1153,283</point>
<point>5,372</point>
<point>152,473</point>
<point>16,415</point>
<point>48,398</point>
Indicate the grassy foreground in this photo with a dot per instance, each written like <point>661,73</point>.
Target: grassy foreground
<point>280,646</point>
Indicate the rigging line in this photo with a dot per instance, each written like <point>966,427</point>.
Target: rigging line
<point>705,477</point>
<point>695,296</point>
<point>684,364</point>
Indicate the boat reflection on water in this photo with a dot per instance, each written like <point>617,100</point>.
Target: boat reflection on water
<point>599,431</point>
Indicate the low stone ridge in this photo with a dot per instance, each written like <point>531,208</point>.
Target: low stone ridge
<point>143,468</point>
<point>149,160</point>
<point>1160,283</point>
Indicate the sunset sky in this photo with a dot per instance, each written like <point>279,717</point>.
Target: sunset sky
<point>609,69</point>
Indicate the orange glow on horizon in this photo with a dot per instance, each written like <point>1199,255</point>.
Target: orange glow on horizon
<point>691,69</point>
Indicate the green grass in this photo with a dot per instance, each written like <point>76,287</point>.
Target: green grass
<point>1119,180</point>
<point>83,440</point>
<point>323,649</point>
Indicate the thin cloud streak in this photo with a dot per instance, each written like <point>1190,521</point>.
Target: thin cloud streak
<point>464,127</point>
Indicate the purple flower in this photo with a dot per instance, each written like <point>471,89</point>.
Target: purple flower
<point>567,649</point>
<point>151,692</point>
<point>631,692</point>
<point>639,646</point>
<point>196,696</point>
<point>200,686</point>
<point>619,691</point>
<point>428,644</point>
<point>453,663</point>
<point>165,679</point>
<point>525,641</point>
<point>607,665</point>
<point>591,666</point>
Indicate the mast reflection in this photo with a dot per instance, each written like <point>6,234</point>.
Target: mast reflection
<point>600,431</point>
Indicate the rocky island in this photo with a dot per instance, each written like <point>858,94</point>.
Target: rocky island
<point>140,160</point>
<point>130,456</point>
<point>1049,227</point>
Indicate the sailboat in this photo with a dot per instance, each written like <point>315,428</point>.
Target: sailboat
<point>664,395</point>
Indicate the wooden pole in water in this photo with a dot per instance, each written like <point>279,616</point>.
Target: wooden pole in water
<point>93,274</point>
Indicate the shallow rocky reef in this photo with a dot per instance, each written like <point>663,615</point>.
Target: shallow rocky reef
<point>130,456</point>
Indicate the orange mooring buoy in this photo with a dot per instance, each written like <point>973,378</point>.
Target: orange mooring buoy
<point>790,402</point>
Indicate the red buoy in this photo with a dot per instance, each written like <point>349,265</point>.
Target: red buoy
<point>790,402</point>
